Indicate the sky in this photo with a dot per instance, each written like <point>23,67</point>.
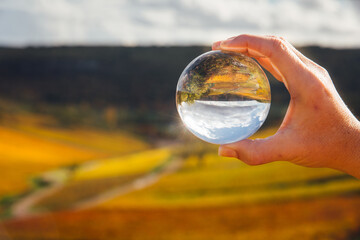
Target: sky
<point>330,23</point>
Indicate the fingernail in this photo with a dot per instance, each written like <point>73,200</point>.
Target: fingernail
<point>227,152</point>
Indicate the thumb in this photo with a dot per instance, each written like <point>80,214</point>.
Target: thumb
<point>255,152</point>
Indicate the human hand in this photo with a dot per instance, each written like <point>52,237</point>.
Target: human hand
<point>318,129</point>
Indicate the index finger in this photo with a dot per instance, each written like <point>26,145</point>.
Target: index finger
<point>264,61</point>
<point>279,55</point>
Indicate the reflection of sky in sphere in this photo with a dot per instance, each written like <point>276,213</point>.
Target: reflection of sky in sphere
<point>223,121</point>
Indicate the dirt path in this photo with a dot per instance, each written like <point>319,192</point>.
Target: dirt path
<point>24,207</point>
<point>137,184</point>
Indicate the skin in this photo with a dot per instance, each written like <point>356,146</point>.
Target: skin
<point>318,129</point>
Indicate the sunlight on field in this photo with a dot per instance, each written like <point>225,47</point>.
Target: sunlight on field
<point>208,180</point>
<point>107,143</point>
<point>16,175</point>
<point>23,155</point>
<point>208,197</point>
<point>24,147</point>
<point>321,219</point>
<point>28,149</point>
<point>222,182</point>
<point>136,163</point>
<point>104,178</point>
<point>91,147</point>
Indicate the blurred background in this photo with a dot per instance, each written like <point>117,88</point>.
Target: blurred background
<point>91,146</point>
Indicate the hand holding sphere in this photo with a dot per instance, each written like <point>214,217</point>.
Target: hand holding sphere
<point>223,97</point>
<point>318,129</point>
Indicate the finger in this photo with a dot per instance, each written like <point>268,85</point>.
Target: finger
<point>301,56</point>
<point>268,65</point>
<point>259,151</point>
<point>281,56</point>
<point>265,62</point>
<point>216,45</point>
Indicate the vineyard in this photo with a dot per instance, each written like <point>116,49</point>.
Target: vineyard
<point>91,147</point>
<point>69,184</point>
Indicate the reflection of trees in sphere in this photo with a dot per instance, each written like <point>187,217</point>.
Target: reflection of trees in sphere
<point>223,97</point>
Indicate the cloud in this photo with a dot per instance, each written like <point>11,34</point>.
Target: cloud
<point>206,118</point>
<point>134,22</point>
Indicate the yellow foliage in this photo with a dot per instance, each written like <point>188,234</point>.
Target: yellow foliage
<point>224,183</point>
<point>15,175</point>
<point>239,84</point>
<point>27,149</point>
<point>228,78</point>
<point>127,165</point>
<point>210,180</point>
<point>108,143</point>
<point>18,147</point>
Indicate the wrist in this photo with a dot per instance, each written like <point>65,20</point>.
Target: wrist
<point>350,163</point>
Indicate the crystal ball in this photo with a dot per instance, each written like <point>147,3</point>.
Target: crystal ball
<point>223,97</point>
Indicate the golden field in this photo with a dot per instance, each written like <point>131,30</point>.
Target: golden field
<point>183,191</point>
<point>27,148</point>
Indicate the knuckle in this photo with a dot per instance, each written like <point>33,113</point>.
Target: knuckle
<point>317,88</point>
<point>277,37</point>
<point>283,39</point>
<point>245,35</point>
<point>324,71</point>
<point>279,44</point>
<point>319,76</point>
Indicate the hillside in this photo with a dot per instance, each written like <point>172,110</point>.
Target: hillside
<point>140,80</point>
<point>91,147</point>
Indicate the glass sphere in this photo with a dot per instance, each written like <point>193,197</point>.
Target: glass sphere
<point>223,97</point>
